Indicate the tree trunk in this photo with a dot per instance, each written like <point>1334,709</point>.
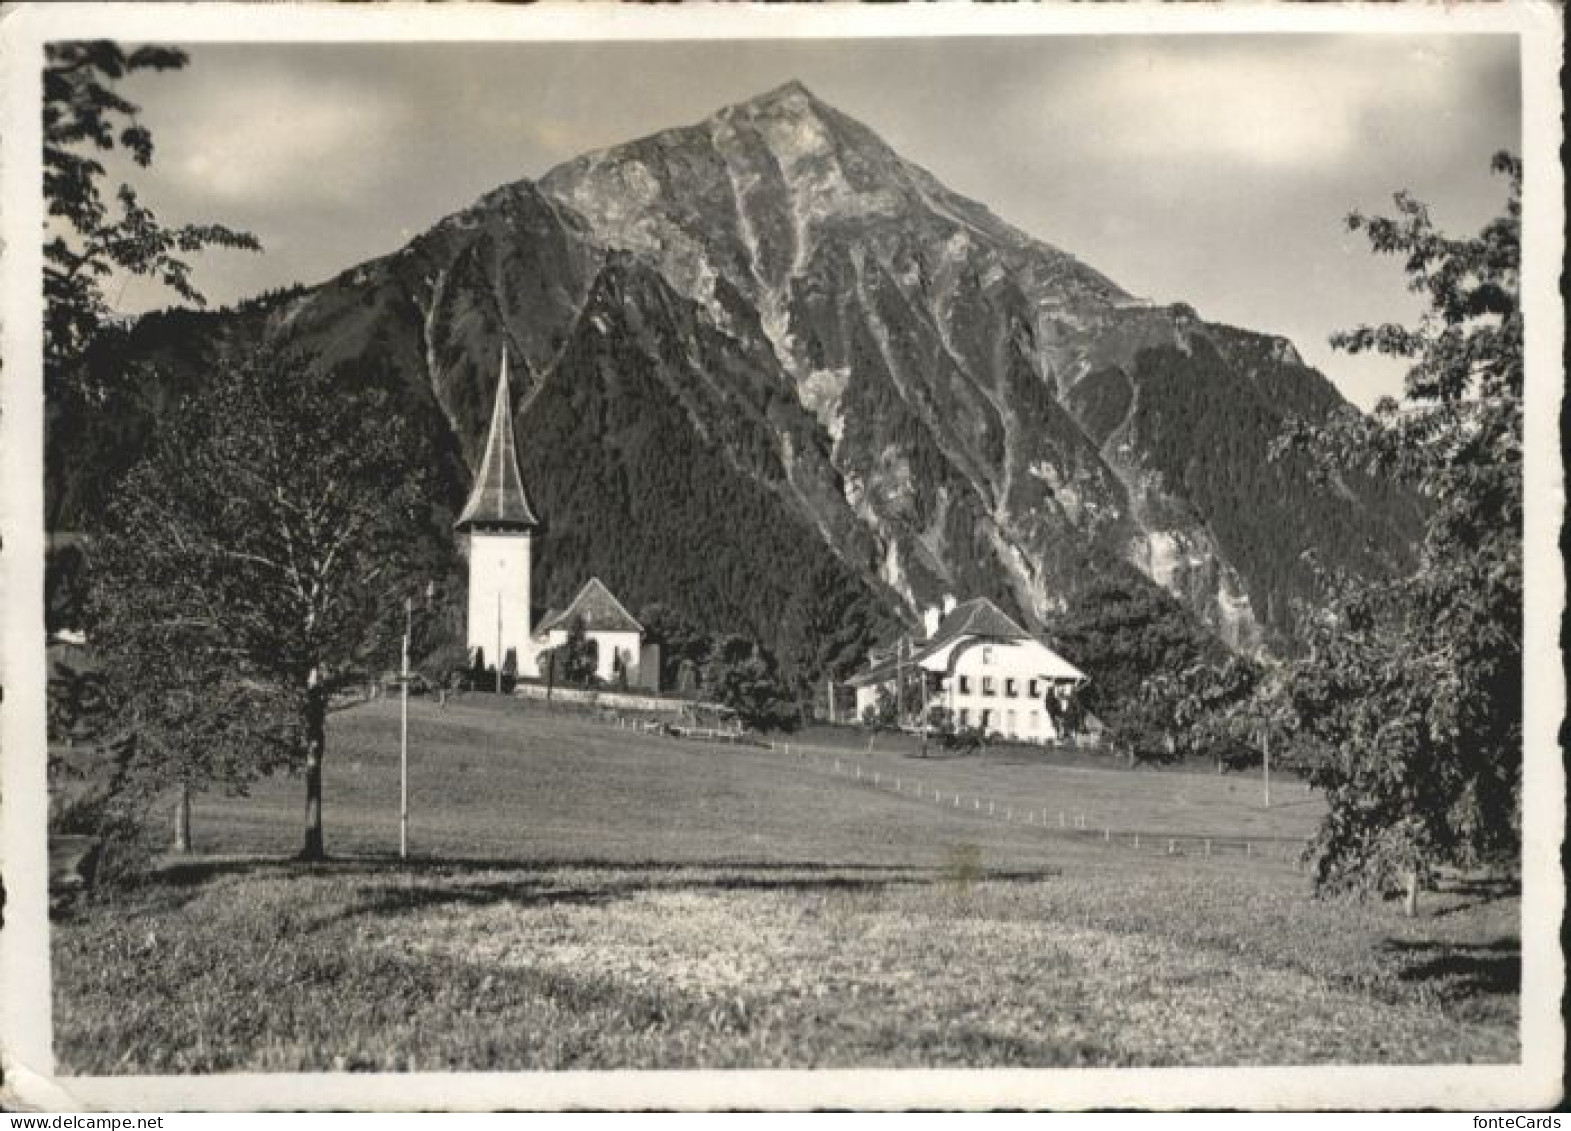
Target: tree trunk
<point>315,747</point>
<point>1410,903</point>
<point>183,819</point>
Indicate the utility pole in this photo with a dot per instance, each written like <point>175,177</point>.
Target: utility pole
<point>403,740</point>
<point>1266,747</point>
<point>499,643</point>
<point>183,819</point>
<point>900,681</point>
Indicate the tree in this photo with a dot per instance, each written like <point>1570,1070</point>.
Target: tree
<point>580,656</point>
<point>254,564</point>
<point>831,623</point>
<point>1144,723</point>
<point>1134,641</point>
<point>682,645</point>
<point>880,714</point>
<point>750,686</point>
<point>1065,709</point>
<point>1411,689</point>
<point>1215,710</point>
<point>87,242</point>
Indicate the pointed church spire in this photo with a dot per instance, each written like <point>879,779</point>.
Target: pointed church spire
<point>498,499</point>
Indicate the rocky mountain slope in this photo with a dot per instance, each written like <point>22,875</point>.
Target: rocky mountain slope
<point>765,353</point>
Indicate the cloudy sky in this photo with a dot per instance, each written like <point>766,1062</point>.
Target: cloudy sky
<point>1210,169</point>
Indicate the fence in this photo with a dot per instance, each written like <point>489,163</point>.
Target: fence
<point>1068,822</point>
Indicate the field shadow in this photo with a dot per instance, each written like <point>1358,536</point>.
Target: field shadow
<point>559,887</point>
<point>1458,971</point>
<point>1475,891</point>
<point>436,882</point>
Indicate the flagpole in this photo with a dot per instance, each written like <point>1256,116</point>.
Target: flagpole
<point>403,740</point>
<point>499,642</point>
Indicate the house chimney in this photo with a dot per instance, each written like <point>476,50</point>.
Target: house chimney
<point>949,603</point>
<point>930,621</point>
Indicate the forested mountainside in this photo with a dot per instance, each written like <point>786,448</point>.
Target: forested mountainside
<point>763,362</point>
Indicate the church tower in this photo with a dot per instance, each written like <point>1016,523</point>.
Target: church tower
<point>500,527</point>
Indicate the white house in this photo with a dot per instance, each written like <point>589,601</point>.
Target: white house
<point>610,626</point>
<point>980,666</point>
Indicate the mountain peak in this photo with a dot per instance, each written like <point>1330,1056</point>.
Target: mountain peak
<point>789,98</point>
<point>792,90</point>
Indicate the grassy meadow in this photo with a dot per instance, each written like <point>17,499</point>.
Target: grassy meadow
<point>580,896</point>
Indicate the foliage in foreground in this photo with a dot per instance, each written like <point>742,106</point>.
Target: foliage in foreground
<point>254,565</point>
<point>87,242</point>
<point>1410,695</point>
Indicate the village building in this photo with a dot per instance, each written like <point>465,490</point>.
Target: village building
<point>621,653</point>
<point>504,628</point>
<point>500,525</point>
<point>981,667</point>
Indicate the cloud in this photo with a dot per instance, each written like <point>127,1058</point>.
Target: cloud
<point>253,138</point>
<point>1266,104</point>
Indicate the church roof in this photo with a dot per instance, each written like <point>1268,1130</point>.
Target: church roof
<point>498,497</point>
<point>601,612</point>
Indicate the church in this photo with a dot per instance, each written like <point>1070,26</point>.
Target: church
<point>503,624</point>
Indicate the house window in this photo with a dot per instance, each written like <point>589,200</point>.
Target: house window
<point>987,717</point>
<point>1009,723</point>
<point>987,653</point>
<point>987,685</point>
<point>965,685</point>
<point>965,717</point>
<point>1034,690</point>
<point>1009,689</point>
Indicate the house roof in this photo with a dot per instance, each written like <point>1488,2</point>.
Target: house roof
<point>600,611</point>
<point>498,497</point>
<point>977,618</point>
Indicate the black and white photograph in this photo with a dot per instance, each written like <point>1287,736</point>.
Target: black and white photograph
<point>723,557</point>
